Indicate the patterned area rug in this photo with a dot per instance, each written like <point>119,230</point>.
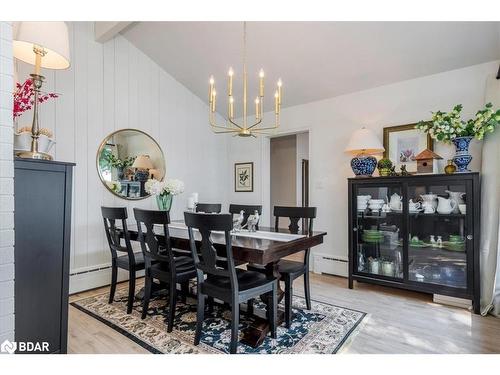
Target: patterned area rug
<point>325,329</point>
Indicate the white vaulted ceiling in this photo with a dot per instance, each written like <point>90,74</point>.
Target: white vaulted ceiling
<point>316,60</point>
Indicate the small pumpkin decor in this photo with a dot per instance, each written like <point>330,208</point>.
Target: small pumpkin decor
<point>384,167</point>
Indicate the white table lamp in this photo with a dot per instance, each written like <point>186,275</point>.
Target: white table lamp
<point>44,45</point>
<point>142,165</point>
<point>363,144</point>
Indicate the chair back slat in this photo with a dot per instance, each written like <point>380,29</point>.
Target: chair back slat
<point>207,258</point>
<point>209,208</point>
<point>155,246</point>
<point>295,214</point>
<point>111,216</point>
<point>247,209</point>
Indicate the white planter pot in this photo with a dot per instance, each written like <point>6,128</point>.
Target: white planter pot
<point>22,142</point>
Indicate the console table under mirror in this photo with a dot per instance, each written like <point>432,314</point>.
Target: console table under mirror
<point>418,232</point>
<point>126,159</point>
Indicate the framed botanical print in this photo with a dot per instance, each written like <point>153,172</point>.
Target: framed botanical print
<point>402,143</point>
<point>243,177</point>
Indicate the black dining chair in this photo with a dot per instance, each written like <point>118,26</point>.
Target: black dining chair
<point>161,262</point>
<point>224,281</point>
<point>132,262</point>
<point>248,210</point>
<point>209,208</point>
<point>290,270</point>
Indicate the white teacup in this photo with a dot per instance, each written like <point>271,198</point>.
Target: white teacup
<point>463,208</point>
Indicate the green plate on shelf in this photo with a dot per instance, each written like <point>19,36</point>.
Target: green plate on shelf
<point>454,246</point>
<point>371,231</point>
<point>419,244</point>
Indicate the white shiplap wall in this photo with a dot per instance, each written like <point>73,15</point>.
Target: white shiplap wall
<point>6,186</point>
<point>112,86</point>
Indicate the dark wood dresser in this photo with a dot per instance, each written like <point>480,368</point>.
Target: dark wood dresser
<point>42,251</point>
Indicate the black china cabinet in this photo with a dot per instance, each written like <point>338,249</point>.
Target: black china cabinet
<point>417,232</point>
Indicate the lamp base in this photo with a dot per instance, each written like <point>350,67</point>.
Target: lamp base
<point>33,155</point>
<point>363,165</point>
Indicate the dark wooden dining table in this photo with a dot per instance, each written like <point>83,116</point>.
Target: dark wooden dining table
<point>258,251</point>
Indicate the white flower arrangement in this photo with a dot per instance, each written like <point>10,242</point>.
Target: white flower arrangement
<point>445,127</point>
<point>170,186</point>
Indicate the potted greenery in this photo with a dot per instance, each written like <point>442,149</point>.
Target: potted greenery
<point>118,163</point>
<point>450,128</point>
<point>384,167</point>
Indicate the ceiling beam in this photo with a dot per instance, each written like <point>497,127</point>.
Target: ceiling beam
<point>105,31</point>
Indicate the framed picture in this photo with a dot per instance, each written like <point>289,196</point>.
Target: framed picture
<point>403,142</point>
<point>243,177</point>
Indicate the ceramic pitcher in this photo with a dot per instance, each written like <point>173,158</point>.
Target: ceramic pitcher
<point>445,205</point>
<point>395,202</point>
<point>457,197</point>
<point>429,200</point>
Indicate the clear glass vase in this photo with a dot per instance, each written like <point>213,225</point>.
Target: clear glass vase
<point>164,201</point>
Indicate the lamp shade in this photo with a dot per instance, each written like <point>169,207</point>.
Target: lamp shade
<point>52,36</point>
<point>364,141</point>
<point>143,162</point>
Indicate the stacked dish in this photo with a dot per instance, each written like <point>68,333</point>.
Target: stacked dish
<point>372,236</point>
<point>363,202</point>
<point>456,243</point>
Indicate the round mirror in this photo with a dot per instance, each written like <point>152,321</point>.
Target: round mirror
<point>126,159</point>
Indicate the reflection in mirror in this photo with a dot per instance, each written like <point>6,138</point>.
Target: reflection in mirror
<point>126,159</point>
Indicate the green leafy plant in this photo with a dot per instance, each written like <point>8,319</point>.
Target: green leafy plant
<point>384,167</point>
<point>116,162</point>
<point>384,163</point>
<point>445,126</point>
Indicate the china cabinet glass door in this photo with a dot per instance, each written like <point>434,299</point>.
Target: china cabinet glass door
<point>378,228</point>
<point>438,233</point>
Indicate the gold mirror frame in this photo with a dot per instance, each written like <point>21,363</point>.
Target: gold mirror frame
<point>104,142</point>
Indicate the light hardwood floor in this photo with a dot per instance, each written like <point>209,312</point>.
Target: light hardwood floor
<point>398,322</point>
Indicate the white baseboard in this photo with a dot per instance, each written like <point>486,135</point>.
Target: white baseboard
<point>452,301</point>
<point>95,278</point>
<point>330,264</point>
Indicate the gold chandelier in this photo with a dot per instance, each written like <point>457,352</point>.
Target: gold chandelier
<point>244,129</point>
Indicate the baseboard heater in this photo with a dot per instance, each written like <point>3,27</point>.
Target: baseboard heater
<point>90,271</point>
<point>331,265</point>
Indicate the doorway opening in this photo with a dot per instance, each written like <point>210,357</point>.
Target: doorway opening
<point>289,172</point>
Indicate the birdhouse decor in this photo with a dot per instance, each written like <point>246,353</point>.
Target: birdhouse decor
<point>427,161</point>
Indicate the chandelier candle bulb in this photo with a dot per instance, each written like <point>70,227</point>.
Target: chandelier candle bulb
<point>211,89</point>
<point>214,93</point>
<point>230,74</point>
<point>231,107</point>
<point>261,83</point>
<point>280,83</point>
<point>276,102</point>
<point>257,111</point>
